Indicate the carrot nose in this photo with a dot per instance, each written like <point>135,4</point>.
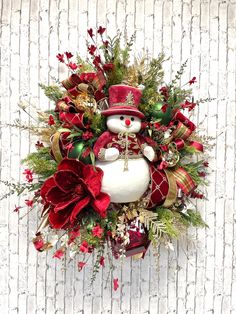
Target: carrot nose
<point>127,122</point>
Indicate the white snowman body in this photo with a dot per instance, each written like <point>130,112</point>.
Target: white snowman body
<point>122,185</point>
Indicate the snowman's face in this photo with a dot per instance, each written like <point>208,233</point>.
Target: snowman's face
<point>123,123</point>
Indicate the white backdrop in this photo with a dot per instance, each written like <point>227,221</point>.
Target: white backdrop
<point>200,275</point>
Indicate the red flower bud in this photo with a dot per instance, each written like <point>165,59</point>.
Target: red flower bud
<point>101,30</point>
<point>60,57</point>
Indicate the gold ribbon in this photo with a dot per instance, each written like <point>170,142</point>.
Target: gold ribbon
<point>172,192</point>
<point>56,146</point>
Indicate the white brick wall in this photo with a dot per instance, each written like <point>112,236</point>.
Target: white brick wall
<point>200,276</point>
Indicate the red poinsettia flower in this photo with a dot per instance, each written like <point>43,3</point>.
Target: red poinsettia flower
<point>192,81</point>
<point>97,231</point>
<point>92,49</point>
<point>51,120</point>
<point>115,283</point>
<point>73,187</point>
<point>68,54</point>
<point>60,57</point>
<point>90,32</point>
<point>72,66</point>
<point>101,262</point>
<point>58,254</point>
<point>101,30</point>
<point>81,265</point>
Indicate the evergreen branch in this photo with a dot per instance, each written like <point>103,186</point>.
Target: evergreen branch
<point>53,92</point>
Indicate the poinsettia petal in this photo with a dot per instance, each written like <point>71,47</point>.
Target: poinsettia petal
<point>78,207</point>
<point>56,195</point>
<point>60,219</point>
<point>66,180</point>
<point>48,184</point>
<point>65,204</point>
<point>60,199</point>
<point>101,203</point>
<point>71,164</point>
<point>93,179</point>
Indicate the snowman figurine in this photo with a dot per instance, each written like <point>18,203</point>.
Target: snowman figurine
<point>121,152</point>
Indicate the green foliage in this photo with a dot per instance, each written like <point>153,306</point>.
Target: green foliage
<point>194,218</point>
<point>119,57</point>
<point>41,162</point>
<point>53,92</point>
<point>189,150</point>
<point>169,219</point>
<point>151,79</point>
<point>193,169</point>
<point>19,188</point>
<point>84,66</point>
<point>98,124</point>
<point>178,75</point>
<point>178,96</point>
<point>97,266</point>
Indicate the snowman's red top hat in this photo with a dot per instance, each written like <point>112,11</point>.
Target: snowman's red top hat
<point>124,99</point>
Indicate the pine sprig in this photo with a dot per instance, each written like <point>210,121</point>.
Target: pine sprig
<point>53,92</point>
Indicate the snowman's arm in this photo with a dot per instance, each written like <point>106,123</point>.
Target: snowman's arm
<point>147,148</point>
<point>101,152</point>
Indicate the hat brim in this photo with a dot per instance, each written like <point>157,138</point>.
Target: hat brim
<point>123,110</point>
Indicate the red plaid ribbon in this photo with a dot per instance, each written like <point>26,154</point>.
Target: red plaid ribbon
<point>184,180</point>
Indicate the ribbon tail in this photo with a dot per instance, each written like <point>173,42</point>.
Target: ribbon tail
<point>172,192</point>
<point>184,180</point>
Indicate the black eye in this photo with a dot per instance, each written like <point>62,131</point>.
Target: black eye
<point>121,118</point>
<point>132,119</point>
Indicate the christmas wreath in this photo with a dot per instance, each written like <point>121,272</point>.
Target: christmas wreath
<point>117,160</point>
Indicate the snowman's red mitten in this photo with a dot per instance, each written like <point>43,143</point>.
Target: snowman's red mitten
<point>105,154</point>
